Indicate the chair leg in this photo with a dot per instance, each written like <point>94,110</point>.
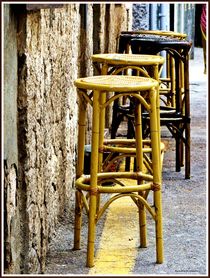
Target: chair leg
<point>143,226</point>
<point>79,171</point>
<point>78,220</point>
<point>158,226</point>
<point>91,231</point>
<point>139,167</point>
<point>130,135</point>
<point>155,141</point>
<point>96,121</point>
<point>187,111</point>
<point>187,153</point>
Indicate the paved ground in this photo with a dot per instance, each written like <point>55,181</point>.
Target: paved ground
<point>184,208</point>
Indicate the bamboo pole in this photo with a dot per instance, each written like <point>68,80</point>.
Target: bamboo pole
<point>93,180</point>
<point>79,171</point>
<point>81,136</point>
<point>157,111</point>
<point>173,84</point>
<point>156,176</point>
<point>102,100</point>
<point>139,168</point>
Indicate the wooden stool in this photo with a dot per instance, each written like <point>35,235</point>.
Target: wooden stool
<point>93,91</point>
<point>175,114</point>
<point>115,63</point>
<point>126,36</point>
<point>167,87</point>
<point>177,118</point>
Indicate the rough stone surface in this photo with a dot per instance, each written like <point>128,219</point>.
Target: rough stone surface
<point>11,221</point>
<point>51,61</point>
<point>54,47</point>
<point>10,86</point>
<point>11,212</point>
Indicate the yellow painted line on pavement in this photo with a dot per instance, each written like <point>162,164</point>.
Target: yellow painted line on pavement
<point>120,239</point>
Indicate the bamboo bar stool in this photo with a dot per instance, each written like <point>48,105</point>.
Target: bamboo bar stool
<point>175,111</point>
<point>177,118</point>
<point>137,185</point>
<point>141,65</point>
<point>167,90</point>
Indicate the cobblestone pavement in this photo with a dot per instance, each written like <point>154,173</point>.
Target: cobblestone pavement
<point>184,212</point>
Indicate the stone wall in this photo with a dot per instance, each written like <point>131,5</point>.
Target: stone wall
<point>51,61</point>
<point>11,211</point>
<point>54,46</point>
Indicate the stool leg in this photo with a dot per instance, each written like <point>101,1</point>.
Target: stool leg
<point>139,168</point>
<point>187,153</point>
<point>102,100</point>
<point>158,223</point>
<point>156,164</point>
<point>104,71</point>
<point>79,171</point>
<point>156,74</point>
<point>78,220</point>
<point>178,110</point>
<point>91,230</point>
<point>187,115</point>
<point>130,135</point>
<point>173,90</point>
<point>93,180</point>
<point>182,99</point>
<point>101,129</point>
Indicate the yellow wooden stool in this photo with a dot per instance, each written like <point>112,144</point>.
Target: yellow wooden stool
<point>93,91</point>
<point>116,63</point>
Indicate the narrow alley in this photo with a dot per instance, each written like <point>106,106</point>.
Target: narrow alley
<point>184,214</point>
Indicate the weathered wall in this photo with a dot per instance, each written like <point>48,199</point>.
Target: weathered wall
<point>47,119</point>
<point>51,62</point>
<point>54,47</point>
<point>11,212</point>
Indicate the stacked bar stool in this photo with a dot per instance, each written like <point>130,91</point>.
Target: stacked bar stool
<point>175,114</point>
<point>177,118</point>
<point>168,83</point>
<point>137,185</point>
<point>141,65</point>
<point>126,37</point>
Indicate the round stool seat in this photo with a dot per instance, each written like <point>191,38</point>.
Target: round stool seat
<point>116,83</point>
<point>157,33</point>
<point>149,44</point>
<point>128,59</point>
